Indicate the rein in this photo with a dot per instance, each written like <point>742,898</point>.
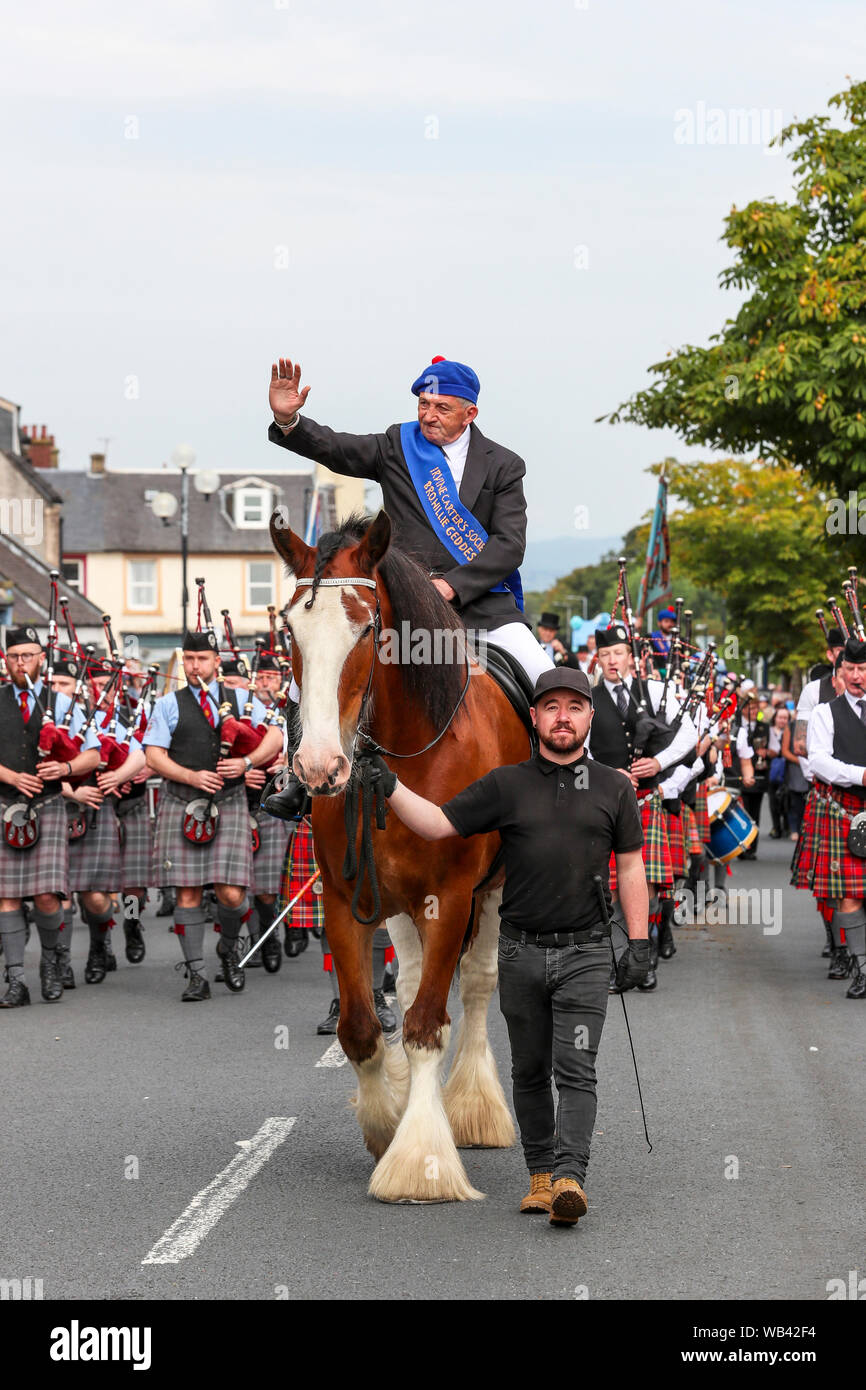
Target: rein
<point>368,781</point>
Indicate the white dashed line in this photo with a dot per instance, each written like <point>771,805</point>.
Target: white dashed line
<point>206,1208</point>
<point>334,1057</point>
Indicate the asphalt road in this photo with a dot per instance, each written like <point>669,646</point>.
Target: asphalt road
<point>751,1062</point>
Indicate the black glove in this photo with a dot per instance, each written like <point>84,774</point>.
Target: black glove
<point>381,775</point>
<point>633,965</point>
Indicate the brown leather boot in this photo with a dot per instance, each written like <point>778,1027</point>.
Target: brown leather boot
<point>540,1193</point>
<point>569,1202</point>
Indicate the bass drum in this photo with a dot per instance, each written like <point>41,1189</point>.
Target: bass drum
<point>732,830</point>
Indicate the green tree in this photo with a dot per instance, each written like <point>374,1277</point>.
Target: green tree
<point>786,378</point>
<point>756,537</point>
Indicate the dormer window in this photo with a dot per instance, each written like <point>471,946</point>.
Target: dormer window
<point>248,503</point>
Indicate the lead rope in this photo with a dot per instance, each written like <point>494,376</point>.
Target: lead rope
<point>604,917</point>
<point>367,865</point>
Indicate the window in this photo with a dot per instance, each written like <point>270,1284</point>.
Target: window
<point>252,506</point>
<point>73,573</point>
<point>260,583</point>
<point>141,584</point>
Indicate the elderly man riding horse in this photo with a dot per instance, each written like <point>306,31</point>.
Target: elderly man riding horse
<point>455,500</point>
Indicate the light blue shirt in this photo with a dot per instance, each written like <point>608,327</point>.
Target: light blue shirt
<point>61,705</point>
<point>165,716</point>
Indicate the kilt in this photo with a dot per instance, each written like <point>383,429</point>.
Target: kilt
<point>656,851</point>
<point>300,863</point>
<point>702,814</point>
<point>835,872</point>
<point>675,827</point>
<point>136,844</point>
<point>94,859</point>
<point>270,856</point>
<point>227,858</point>
<point>45,867</point>
<point>806,847</point>
<point>691,834</point>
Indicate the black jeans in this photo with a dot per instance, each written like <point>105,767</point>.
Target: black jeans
<point>554,1002</point>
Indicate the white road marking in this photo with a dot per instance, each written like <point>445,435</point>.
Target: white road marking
<point>334,1057</point>
<point>204,1211</point>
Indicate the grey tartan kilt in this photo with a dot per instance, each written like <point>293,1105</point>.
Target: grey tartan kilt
<point>94,859</point>
<point>178,863</point>
<point>271,854</point>
<point>136,847</point>
<point>45,867</point>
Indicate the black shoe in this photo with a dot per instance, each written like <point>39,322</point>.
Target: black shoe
<point>232,974</point>
<point>651,981</point>
<point>667,946</point>
<point>16,996</point>
<point>94,970</point>
<point>67,979</point>
<point>828,950</point>
<point>857,988</point>
<point>49,978</point>
<point>254,962</point>
<point>135,948</point>
<point>288,804</point>
<point>110,957</point>
<point>296,941</point>
<point>385,1015</point>
<point>271,953</point>
<point>842,964</point>
<point>197,988</point>
<point>329,1025</point>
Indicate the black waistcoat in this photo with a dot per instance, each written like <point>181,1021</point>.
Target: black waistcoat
<point>826,693</point>
<point>849,738</point>
<point>611,739</point>
<point>19,741</point>
<point>194,744</point>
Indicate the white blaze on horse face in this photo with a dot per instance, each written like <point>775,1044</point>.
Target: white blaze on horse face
<point>325,635</point>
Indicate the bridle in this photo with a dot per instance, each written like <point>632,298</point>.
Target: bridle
<point>373,747</point>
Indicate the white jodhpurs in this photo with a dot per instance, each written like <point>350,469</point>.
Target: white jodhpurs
<point>518,641</point>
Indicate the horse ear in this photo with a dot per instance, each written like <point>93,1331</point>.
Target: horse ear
<point>296,553</point>
<point>374,543</point>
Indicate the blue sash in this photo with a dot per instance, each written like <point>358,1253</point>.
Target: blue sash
<point>452,522</point>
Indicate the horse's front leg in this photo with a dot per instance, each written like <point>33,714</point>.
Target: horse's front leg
<point>474,1100</point>
<point>378,1102</point>
<point>422,1163</point>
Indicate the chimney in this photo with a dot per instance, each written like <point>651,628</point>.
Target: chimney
<point>39,448</point>
<point>97,463</point>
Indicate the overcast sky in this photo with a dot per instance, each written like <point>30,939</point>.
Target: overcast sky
<point>191,189</point>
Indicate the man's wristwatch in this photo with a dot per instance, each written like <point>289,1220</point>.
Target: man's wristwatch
<point>248,764</point>
<point>290,426</point>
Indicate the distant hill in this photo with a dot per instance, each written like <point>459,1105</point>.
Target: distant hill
<point>547,561</point>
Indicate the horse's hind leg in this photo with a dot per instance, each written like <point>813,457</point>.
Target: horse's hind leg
<point>474,1100</point>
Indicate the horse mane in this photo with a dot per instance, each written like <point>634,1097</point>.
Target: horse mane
<point>436,684</point>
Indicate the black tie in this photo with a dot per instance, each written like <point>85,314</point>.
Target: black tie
<point>862,707</point>
<point>621,699</point>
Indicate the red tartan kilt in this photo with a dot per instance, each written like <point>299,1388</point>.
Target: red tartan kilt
<point>300,864</point>
<point>675,826</point>
<point>844,877</point>
<point>807,847</point>
<point>694,845</point>
<point>702,814</point>
<point>656,850</point>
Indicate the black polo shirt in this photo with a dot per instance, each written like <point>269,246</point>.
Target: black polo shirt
<point>559,824</point>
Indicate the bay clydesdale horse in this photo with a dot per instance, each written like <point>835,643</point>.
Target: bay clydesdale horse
<point>356,593</point>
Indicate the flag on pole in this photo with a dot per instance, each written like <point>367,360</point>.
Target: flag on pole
<point>655,586</point>
<point>311,535</point>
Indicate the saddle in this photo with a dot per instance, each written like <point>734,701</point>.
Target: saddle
<point>512,679</point>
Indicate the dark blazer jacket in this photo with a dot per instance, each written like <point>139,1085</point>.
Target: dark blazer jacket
<point>492,487</point>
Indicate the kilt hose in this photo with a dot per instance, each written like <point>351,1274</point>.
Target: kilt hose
<point>656,850</point>
<point>833,872</point>
<point>44,868</point>
<point>702,813</point>
<point>270,857</point>
<point>136,842</point>
<point>94,858</point>
<point>300,863</point>
<point>227,858</point>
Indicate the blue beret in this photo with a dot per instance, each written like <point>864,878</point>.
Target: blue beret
<point>444,378</point>
<point>667,613</point>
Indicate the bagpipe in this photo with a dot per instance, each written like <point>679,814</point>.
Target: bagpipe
<point>652,731</point>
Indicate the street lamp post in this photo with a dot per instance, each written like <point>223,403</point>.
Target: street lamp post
<point>164,505</point>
